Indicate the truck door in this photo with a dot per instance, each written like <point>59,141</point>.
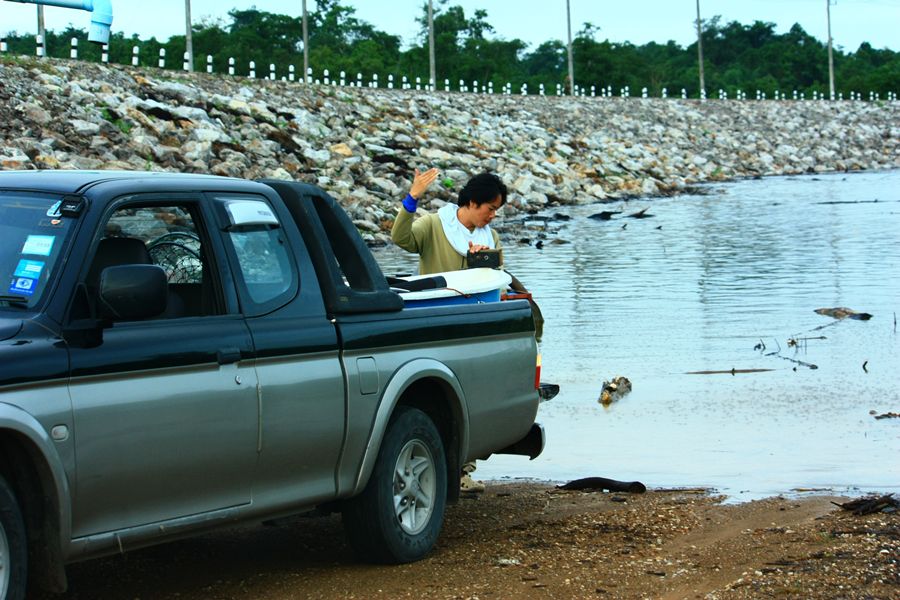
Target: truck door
<point>165,409</point>
<point>302,400</point>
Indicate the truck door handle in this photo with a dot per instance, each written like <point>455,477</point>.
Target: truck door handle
<point>227,356</point>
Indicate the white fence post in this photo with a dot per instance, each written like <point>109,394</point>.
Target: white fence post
<point>104,56</point>
<point>162,58</point>
<point>209,63</point>
<point>446,85</point>
<point>271,71</point>
<point>390,81</point>
<point>374,84</point>
<point>326,77</point>
<point>252,69</point>
<point>73,52</point>
<point>3,46</point>
<point>231,65</point>
<point>39,46</point>
<point>291,72</point>
<point>135,56</point>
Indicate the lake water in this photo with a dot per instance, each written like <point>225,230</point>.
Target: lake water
<point>701,286</point>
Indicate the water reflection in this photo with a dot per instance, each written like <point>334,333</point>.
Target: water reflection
<point>695,288</point>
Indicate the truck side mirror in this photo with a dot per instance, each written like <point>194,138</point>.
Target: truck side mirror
<point>132,292</point>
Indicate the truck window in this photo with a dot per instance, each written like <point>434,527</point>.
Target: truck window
<point>165,235</point>
<point>267,278</point>
<point>33,238</point>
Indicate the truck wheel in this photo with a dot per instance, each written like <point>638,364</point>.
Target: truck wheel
<point>398,516</point>
<point>13,553</point>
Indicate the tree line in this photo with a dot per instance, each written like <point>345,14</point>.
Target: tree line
<point>736,56</point>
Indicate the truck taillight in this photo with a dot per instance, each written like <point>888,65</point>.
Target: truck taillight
<point>537,373</point>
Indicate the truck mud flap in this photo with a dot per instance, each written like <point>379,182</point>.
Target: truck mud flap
<point>531,445</point>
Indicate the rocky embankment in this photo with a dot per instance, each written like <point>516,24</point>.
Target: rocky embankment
<point>362,145</point>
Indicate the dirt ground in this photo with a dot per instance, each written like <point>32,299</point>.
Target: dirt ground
<point>533,541</point>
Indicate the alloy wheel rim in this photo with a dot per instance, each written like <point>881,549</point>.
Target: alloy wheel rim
<point>415,486</point>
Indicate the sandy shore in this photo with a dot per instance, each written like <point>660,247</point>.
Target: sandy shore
<point>533,541</point>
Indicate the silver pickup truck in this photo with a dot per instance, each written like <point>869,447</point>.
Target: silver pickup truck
<point>180,352</point>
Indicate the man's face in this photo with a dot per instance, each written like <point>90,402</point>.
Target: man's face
<point>484,214</point>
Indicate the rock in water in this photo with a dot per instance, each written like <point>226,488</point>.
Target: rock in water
<point>604,215</point>
<point>613,390</point>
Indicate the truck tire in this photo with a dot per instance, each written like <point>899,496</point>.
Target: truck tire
<point>13,549</point>
<point>399,514</point>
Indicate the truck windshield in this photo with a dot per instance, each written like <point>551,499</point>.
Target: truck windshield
<point>33,236</point>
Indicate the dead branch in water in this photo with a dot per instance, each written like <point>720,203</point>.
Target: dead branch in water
<point>795,361</point>
<point>728,372</point>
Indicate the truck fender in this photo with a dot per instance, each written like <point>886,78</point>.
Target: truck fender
<point>406,375</point>
<point>13,418</point>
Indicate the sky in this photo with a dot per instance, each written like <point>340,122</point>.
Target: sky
<point>533,21</point>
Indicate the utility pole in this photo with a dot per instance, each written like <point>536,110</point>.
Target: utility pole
<point>305,45</point>
<point>189,41</point>
<point>42,33</point>
<point>571,66</point>
<point>433,80</point>
<point>830,55</point>
<point>700,50</point>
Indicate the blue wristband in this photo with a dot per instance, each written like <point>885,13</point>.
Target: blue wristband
<point>410,203</point>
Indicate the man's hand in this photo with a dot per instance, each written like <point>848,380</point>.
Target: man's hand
<point>477,247</point>
<point>422,181</point>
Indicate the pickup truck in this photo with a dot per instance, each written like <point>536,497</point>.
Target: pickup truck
<point>184,352</point>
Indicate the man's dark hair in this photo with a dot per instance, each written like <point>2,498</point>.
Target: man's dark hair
<point>482,188</point>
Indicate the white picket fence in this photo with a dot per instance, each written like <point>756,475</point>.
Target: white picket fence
<point>405,83</point>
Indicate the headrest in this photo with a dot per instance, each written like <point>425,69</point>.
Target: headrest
<point>115,251</point>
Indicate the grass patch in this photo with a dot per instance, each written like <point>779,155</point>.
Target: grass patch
<point>122,125</point>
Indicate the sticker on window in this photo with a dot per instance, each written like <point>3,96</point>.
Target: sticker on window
<point>23,286</point>
<point>250,212</point>
<point>38,244</point>
<point>29,268</point>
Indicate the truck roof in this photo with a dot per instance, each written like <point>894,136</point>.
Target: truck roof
<point>73,182</point>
